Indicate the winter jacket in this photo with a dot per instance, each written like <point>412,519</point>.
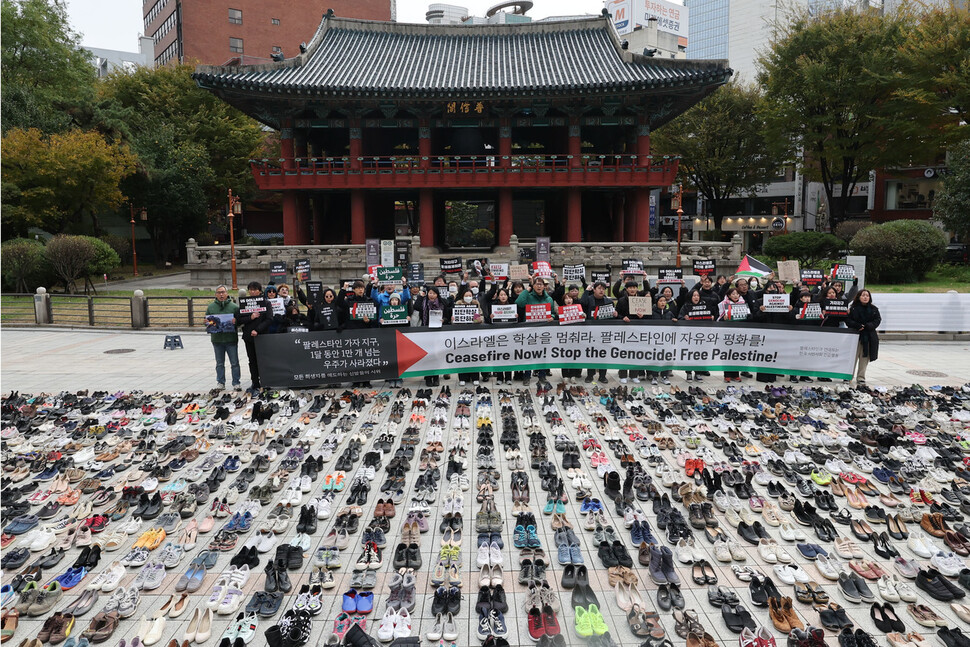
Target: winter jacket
<point>867,318</point>
<point>227,307</point>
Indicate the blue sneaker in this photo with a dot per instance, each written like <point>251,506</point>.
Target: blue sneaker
<point>48,474</point>
<point>575,555</point>
<point>519,538</point>
<point>636,533</point>
<point>245,522</point>
<point>379,538</point>
<point>532,539</point>
<point>71,577</point>
<point>563,554</point>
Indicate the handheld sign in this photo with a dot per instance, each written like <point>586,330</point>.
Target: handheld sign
<point>277,305</point>
<point>843,272</point>
<point>498,271</point>
<point>251,305</point>
<point>450,265</point>
<point>464,314</point>
<point>219,323</point>
<point>505,313</point>
<point>571,314</point>
<point>394,316</point>
<point>704,266</point>
<point>811,278</point>
<point>736,312</point>
<point>788,271</point>
<point>543,248</point>
<point>600,276</point>
<point>641,306</point>
<point>542,269</point>
<point>810,310</point>
<point>836,308</point>
<point>314,293</point>
<point>667,274</point>
<point>435,318</point>
<point>538,312</point>
<point>363,310</point>
<point>632,266</point>
<point>392,275</point>
<point>775,302</point>
<point>700,312</point>
<point>604,312</point>
<point>519,272</point>
<point>302,269</point>
<point>277,272</point>
<point>573,272</point>
<point>416,273</point>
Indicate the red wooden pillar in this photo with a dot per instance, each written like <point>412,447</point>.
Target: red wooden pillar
<point>291,218</point>
<point>358,220</point>
<point>574,215</point>
<point>575,144</point>
<point>505,217</point>
<point>426,217</point>
<point>643,215</point>
<point>504,144</point>
<point>643,145</point>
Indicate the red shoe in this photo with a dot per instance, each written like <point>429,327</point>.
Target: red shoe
<point>536,628</point>
<point>927,497</point>
<point>915,498</point>
<point>549,621</point>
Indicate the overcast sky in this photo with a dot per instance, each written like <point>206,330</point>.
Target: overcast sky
<point>116,24</point>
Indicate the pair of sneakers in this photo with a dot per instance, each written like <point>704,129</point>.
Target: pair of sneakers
<point>244,626</point>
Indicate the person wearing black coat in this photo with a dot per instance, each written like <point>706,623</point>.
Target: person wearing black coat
<point>254,324</point>
<point>864,316</point>
<point>663,310</point>
<point>329,315</point>
<point>760,315</point>
<point>631,289</point>
<point>347,298</point>
<point>597,305</point>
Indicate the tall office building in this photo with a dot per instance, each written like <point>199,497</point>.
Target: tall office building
<point>246,31</point>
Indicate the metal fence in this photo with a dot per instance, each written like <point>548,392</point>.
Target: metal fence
<point>74,310</point>
<point>162,312</point>
<point>17,308</point>
<point>103,311</point>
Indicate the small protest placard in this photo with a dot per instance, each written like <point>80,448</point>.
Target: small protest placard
<point>736,312</point>
<point>843,272</point>
<point>775,302</point>
<point>277,305</point>
<point>302,269</point>
<point>435,318</point>
<point>538,312</point>
<point>477,266</point>
<point>704,266</point>
<point>251,305</point>
<point>363,310</point>
<point>632,266</point>
<point>700,312</point>
<point>314,293</point>
<point>394,316</point>
<point>788,271</point>
<point>604,312</point>
<point>392,275</point>
<point>498,271</point>
<point>219,323</point>
<point>811,278</point>
<point>571,314</point>
<point>416,272</point>
<point>450,265</point>
<point>297,329</point>
<point>464,314</point>
<point>670,274</point>
<point>836,308</point>
<point>372,271</point>
<point>600,276</point>
<point>641,306</point>
<point>519,272</point>
<point>505,313</point>
<point>573,272</point>
<point>277,272</point>
<point>810,310</point>
<point>542,269</point>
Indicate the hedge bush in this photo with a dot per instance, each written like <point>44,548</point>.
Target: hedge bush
<point>900,251</point>
<point>23,265</point>
<point>806,247</point>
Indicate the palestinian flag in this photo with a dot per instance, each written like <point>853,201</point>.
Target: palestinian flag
<point>752,267</point>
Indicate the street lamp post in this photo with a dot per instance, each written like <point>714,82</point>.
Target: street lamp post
<point>134,249</point>
<point>235,208</point>
<point>680,218</point>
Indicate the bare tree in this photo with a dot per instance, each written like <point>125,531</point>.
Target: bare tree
<point>69,257</point>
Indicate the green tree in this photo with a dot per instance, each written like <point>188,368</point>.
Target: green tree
<point>952,205</point>
<point>69,257</point>
<point>22,262</point>
<point>807,247</point>
<point>103,260</point>
<point>460,219</point>
<point>900,251</point>
<point>934,63</point>
<point>722,145</point>
<point>830,84</point>
<point>51,181</point>
<point>45,73</point>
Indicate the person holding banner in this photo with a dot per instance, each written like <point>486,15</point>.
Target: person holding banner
<point>630,291</point>
<point>329,315</point>
<point>663,312</point>
<point>536,296</point>
<point>570,374</point>
<point>497,296</point>
<point>348,298</point>
<point>762,314</point>
<point>254,322</point>
<point>732,308</point>
<point>293,318</point>
<point>864,316</point>
<point>597,306</point>
<point>225,343</point>
<point>435,312</point>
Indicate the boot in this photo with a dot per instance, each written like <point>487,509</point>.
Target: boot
<point>274,637</point>
<point>358,638</point>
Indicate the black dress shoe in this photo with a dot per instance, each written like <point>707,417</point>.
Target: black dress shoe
<point>930,581</point>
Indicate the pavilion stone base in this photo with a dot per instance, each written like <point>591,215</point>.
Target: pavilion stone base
<point>210,265</point>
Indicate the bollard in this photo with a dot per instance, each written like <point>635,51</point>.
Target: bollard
<point>139,318</point>
<point>42,306</point>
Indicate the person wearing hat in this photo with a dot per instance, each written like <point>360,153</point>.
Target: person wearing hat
<point>597,306</point>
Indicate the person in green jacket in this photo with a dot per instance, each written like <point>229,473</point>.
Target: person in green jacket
<point>224,343</point>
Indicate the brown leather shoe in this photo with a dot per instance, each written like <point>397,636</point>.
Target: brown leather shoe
<point>793,620</point>
<point>643,556</point>
<point>933,524</point>
<point>777,615</point>
<point>62,628</point>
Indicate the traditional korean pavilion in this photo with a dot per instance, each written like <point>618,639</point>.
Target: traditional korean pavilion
<point>552,114</point>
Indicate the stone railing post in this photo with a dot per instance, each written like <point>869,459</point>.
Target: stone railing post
<point>736,247</point>
<point>514,246</point>
<point>139,319</point>
<point>415,249</point>
<point>42,306</point>
<point>191,251</point>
